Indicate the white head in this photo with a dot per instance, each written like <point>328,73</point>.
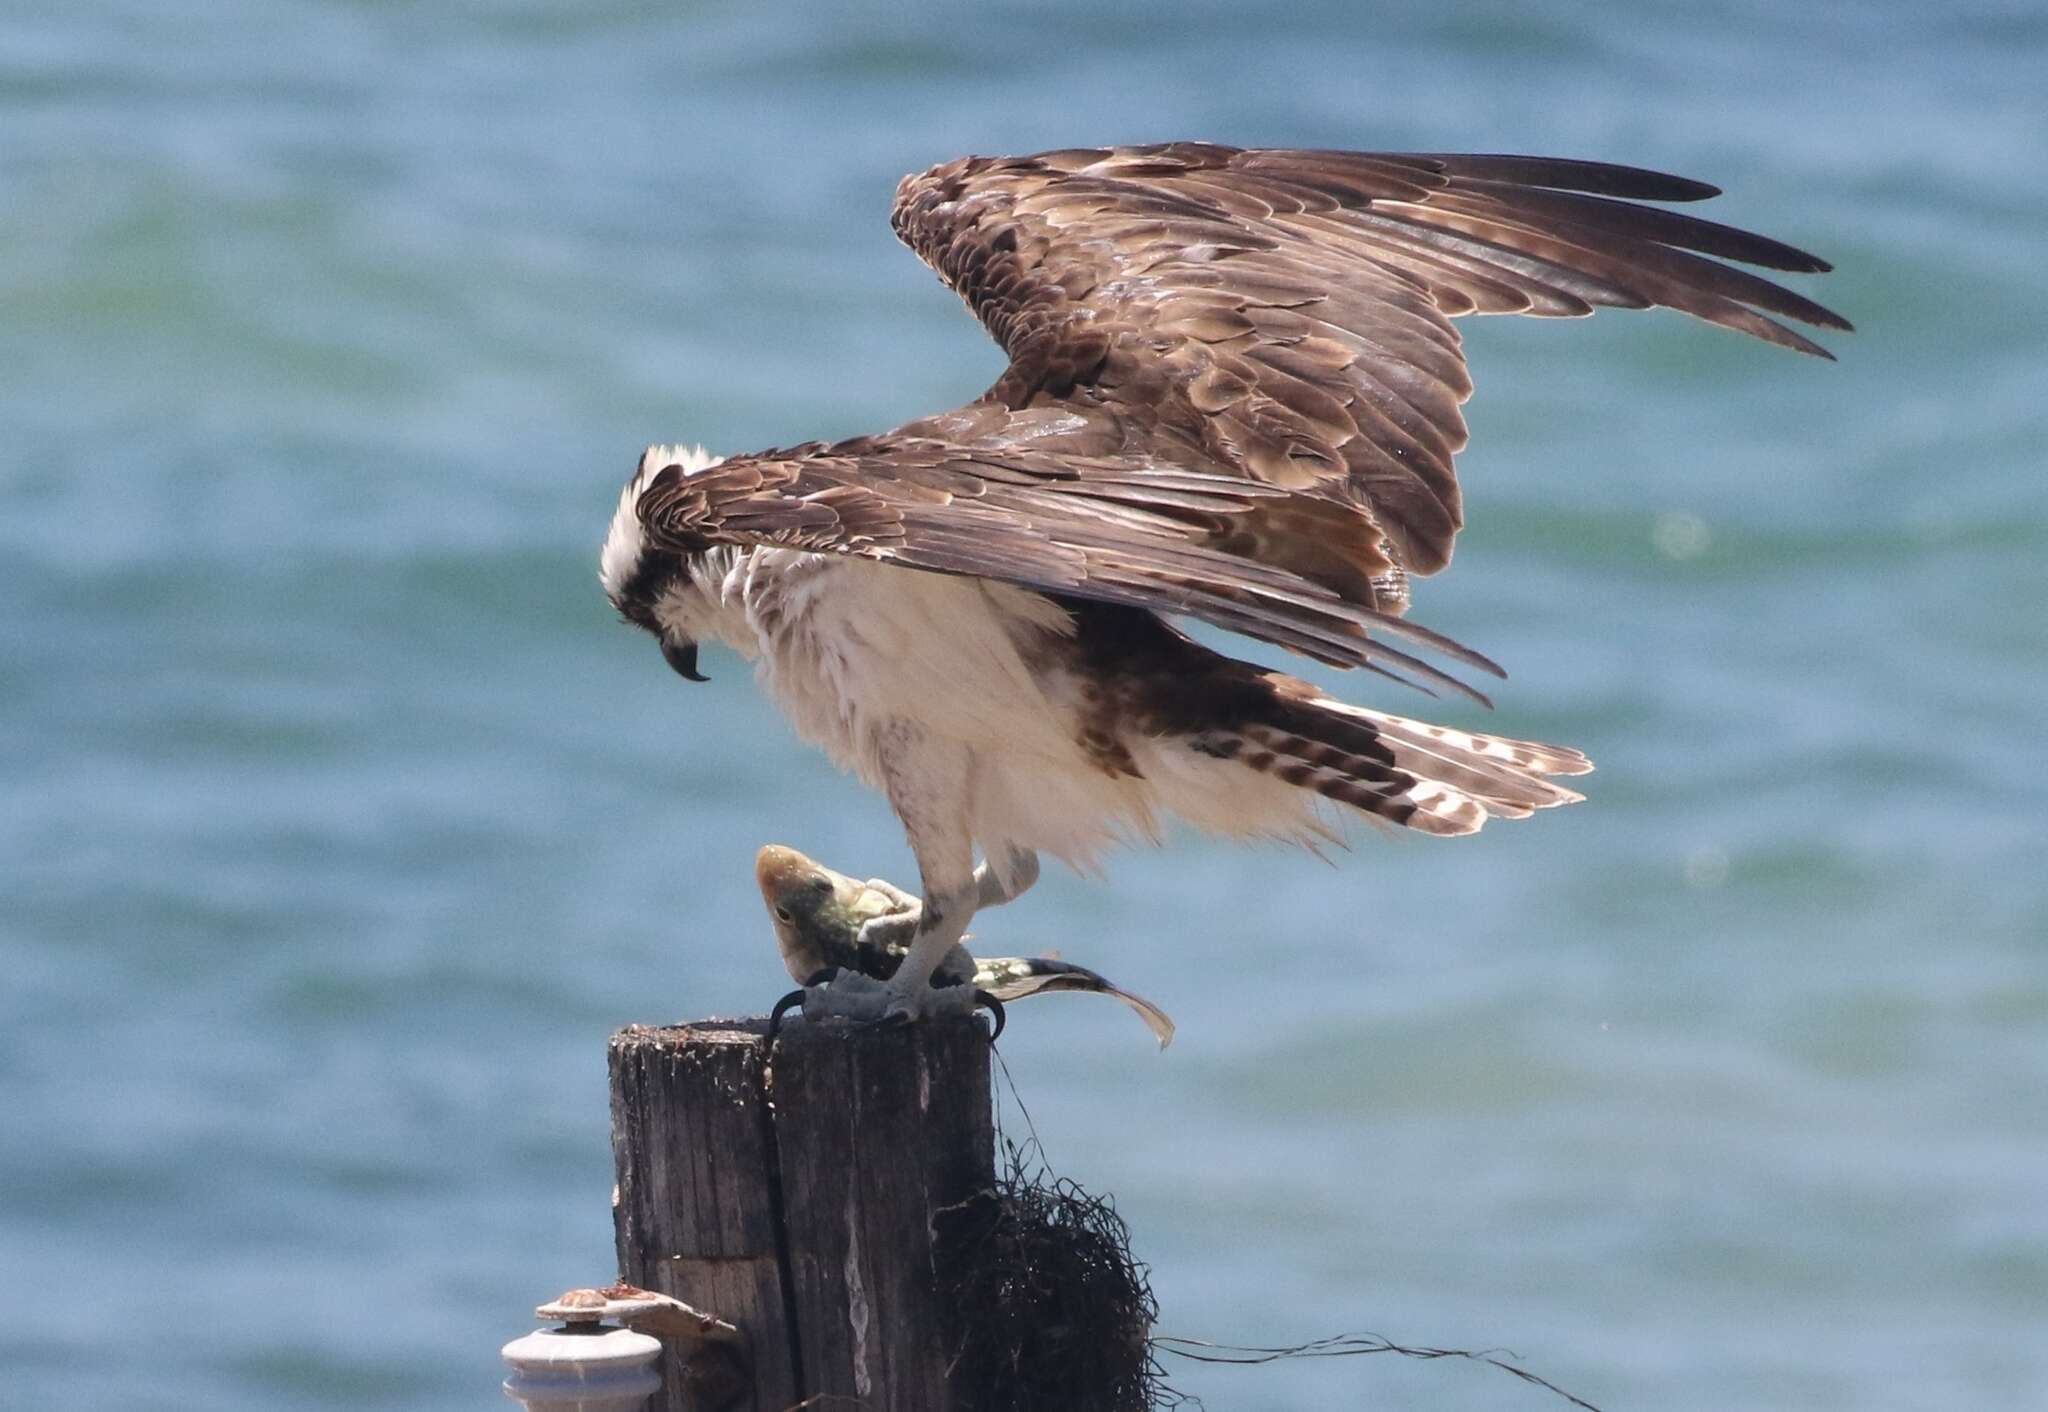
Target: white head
<point>665,591</point>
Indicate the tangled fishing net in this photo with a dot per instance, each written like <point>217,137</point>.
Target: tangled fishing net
<point>1051,1310</point>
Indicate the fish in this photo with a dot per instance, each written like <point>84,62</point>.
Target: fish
<point>818,914</point>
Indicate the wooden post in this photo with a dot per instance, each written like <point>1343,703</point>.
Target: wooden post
<point>796,1202</point>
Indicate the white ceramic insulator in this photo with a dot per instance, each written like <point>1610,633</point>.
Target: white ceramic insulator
<point>582,1368</point>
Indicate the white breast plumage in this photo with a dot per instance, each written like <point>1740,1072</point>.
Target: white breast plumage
<point>847,647</point>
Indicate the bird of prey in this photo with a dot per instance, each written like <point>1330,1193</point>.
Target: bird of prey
<point>1233,395</point>
<point>820,917</point>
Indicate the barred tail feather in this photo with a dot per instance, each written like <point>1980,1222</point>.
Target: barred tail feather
<point>1433,779</point>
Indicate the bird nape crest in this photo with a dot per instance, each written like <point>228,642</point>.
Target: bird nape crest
<point>638,575</point>
<point>625,543</point>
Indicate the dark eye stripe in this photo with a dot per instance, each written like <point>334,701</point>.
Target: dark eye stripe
<point>652,575</point>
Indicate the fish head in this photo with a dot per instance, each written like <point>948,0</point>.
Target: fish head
<point>817,912</point>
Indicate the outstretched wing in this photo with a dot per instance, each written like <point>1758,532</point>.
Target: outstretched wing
<point>1118,530</point>
<point>1284,316</point>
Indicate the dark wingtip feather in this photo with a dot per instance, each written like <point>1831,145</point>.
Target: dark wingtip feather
<point>1782,336</point>
<point>1429,637</point>
<point>1822,315</point>
<point>1569,174</point>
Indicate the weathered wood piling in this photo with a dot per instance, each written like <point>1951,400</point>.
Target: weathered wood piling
<point>792,1193</point>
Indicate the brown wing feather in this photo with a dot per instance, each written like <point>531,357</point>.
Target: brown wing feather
<point>1284,315</point>
<point>1113,530</point>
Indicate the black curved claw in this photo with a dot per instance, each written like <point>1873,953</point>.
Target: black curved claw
<point>792,1001</point>
<point>984,1000</point>
<point>823,976</point>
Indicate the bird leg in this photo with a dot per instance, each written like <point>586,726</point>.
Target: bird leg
<point>928,785</point>
<point>933,930</point>
<point>991,889</point>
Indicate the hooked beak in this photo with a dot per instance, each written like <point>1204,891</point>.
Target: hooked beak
<point>681,654</point>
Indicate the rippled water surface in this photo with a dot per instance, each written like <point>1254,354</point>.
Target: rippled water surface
<point>340,823</point>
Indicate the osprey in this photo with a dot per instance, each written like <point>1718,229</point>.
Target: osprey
<point>1233,395</point>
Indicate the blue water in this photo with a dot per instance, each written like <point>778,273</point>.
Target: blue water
<point>340,822</point>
